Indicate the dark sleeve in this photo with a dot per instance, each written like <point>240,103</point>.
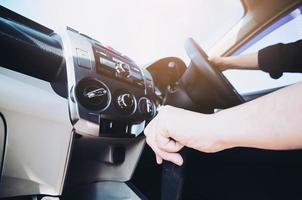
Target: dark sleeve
<point>280,58</point>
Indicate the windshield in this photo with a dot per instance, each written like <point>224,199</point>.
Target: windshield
<point>143,30</point>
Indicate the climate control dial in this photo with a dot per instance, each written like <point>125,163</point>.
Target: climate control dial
<point>146,107</point>
<point>125,102</point>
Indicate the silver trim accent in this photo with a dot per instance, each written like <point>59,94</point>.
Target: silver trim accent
<point>137,129</point>
<point>50,198</point>
<point>121,100</point>
<point>81,125</point>
<point>107,62</point>
<point>135,104</point>
<point>96,93</point>
<point>153,105</point>
<point>108,190</point>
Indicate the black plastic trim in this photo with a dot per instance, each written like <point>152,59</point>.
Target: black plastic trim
<point>29,52</point>
<point>254,95</point>
<point>13,16</point>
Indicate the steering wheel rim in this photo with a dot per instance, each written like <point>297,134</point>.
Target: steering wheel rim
<point>200,60</point>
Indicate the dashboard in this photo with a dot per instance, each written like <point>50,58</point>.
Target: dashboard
<point>108,93</point>
<point>67,78</point>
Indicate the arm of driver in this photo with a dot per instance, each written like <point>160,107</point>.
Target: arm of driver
<point>248,61</point>
<point>269,122</point>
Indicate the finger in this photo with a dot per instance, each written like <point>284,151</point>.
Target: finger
<point>169,156</point>
<point>164,142</point>
<point>159,160</point>
<point>175,158</point>
<point>172,157</point>
<point>172,146</point>
<point>151,133</point>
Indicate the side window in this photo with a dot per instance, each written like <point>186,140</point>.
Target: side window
<point>287,29</point>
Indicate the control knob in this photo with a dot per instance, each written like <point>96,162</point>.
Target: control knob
<point>146,107</point>
<point>125,101</point>
<point>122,69</point>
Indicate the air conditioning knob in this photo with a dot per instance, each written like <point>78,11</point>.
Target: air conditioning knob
<point>146,107</point>
<point>125,101</point>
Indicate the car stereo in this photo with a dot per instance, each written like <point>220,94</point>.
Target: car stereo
<point>109,95</point>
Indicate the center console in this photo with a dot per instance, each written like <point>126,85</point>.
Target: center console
<point>109,94</point>
<point>111,99</point>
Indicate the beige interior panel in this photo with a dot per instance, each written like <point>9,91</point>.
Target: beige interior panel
<point>39,134</point>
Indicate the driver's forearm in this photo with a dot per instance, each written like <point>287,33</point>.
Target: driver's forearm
<point>248,61</point>
<point>270,122</point>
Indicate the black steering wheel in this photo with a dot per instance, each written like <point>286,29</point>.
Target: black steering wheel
<point>215,79</point>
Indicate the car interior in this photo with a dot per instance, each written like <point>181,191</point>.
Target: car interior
<point>73,112</point>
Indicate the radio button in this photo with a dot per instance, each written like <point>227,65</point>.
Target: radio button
<point>122,69</point>
<point>83,59</point>
<point>109,64</point>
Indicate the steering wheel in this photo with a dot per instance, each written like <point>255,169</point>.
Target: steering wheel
<point>215,79</point>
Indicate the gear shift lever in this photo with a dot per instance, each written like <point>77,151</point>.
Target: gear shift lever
<point>172,174</point>
<point>172,179</point>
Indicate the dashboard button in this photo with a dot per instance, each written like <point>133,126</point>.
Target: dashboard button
<point>108,63</point>
<point>83,59</point>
